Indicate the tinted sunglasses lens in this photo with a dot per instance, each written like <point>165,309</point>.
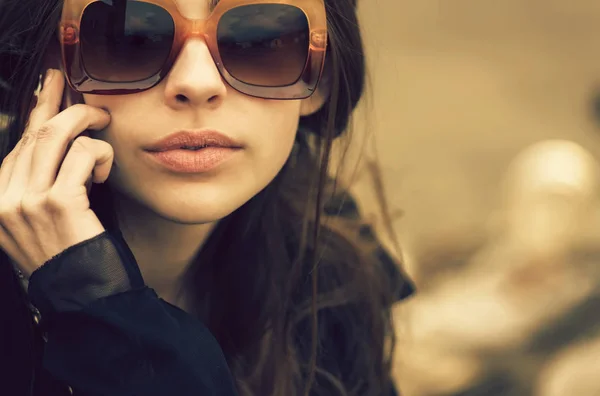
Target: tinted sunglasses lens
<point>125,41</point>
<point>264,44</point>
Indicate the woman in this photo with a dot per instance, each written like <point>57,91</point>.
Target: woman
<point>169,211</point>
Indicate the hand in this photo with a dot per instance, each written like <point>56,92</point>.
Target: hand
<point>519,316</point>
<point>44,204</point>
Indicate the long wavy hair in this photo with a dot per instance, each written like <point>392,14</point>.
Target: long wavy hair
<point>285,281</point>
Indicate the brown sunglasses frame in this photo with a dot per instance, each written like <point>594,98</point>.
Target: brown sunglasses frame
<point>185,28</point>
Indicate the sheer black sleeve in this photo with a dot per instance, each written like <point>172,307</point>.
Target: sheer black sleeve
<point>109,334</point>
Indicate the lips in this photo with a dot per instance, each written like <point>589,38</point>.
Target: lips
<point>192,152</point>
<point>193,140</point>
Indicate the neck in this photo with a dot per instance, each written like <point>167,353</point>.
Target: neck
<point>163,249</point>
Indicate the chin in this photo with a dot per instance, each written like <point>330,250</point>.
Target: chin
<point>193,218</point>
<point>190,212</point>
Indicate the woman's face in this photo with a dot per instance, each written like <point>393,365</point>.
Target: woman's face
<point>193,97</point>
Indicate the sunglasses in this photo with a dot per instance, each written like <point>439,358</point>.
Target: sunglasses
<point>272,49</point>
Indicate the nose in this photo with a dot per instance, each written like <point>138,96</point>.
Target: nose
<point>194,80</point>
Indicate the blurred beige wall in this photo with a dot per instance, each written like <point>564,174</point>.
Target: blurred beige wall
<point>459,87</point>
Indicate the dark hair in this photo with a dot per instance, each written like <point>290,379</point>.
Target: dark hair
<point>312,278</point>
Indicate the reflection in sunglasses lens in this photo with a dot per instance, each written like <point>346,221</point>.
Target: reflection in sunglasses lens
<point>125,41</point>
<point>264,44</point>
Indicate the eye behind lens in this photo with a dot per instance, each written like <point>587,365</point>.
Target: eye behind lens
<point>125,41</point>
<point>264,44</point>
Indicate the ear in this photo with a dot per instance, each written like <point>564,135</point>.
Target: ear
<point>52,59</point>
<point>315,102</point>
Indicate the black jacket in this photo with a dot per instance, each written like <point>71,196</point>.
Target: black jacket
<point>104,332</point>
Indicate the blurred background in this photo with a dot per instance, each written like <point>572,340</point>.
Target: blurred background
<point>459,89</point>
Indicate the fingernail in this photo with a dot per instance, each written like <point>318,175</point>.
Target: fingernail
<point>49,77</point>
<point>105,110</point>
<point>38,88</point>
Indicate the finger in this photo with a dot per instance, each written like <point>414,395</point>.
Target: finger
<point>86,157</point>
<point>18,163</point>
<point>53,139</point>
<point>47,105</point>
<point>6,169</point>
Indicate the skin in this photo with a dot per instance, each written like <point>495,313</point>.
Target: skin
<point>165,217</point>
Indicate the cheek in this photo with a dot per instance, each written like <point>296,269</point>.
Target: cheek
<point>122,107</point>
<point>126,115</point>
<point>273,140</point>
<point>279,126</point>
